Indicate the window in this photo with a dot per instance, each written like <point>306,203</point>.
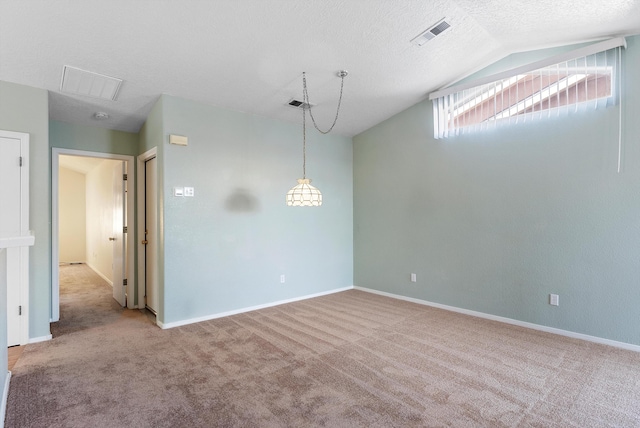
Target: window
<point>583,78</point>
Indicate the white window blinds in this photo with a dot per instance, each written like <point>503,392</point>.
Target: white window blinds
<point>583,78</point>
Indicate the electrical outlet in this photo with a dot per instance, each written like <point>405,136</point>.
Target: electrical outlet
<point>414,277</point>
<point>281,279</point>
<point>554,300</point>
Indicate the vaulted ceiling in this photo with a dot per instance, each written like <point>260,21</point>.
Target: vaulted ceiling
<point>249,55</point>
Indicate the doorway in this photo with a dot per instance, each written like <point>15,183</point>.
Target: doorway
<point>117,269</point>
<point>91,217</point>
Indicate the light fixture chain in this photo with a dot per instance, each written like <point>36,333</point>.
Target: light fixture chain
<point>304,141</point>
<point>307,102</point>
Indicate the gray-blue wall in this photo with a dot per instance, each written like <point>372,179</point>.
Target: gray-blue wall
<point>225,248</point>
<point>26,109</point>
<point>92,139</point>
<point>494,222</point>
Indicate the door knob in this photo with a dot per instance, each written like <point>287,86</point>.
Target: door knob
<point>112,238</point>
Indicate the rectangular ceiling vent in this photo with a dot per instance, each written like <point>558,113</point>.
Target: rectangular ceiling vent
<point>430,33</point>
<point>299,104</point>
<point>80,82</point>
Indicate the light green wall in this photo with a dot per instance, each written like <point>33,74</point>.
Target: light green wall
<point>225,248</point>
<point>151,133</point>
<point>517,60</point>
<point>26,109</point>
<point>92,139</point>
<point>494,222</point>
<point>152,136</point>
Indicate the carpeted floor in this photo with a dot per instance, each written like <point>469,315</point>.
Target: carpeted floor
<point>85,301</point>
<point>345,360</point>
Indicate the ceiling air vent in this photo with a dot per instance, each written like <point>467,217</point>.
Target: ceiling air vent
<point>299,104</point>
<point>430,33</point>
<point>80,82</point>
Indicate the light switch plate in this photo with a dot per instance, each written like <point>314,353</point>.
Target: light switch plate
<point>189,191</point>
<point>178,191</point>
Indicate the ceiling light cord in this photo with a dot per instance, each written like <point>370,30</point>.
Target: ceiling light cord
<point>304,139</point>
<point>306,103</point>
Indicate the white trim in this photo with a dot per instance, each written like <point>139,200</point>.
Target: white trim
<point>23,137</point>
<point>54,311</point>
<point>24,295</point>
<point>576,53</point>
<point>5,396</point>
<point>55,257</point>
<point>18,241</point>
<point>23,251</point>
<point>142,273</point>
<point>250,308</point>
<point>619,85</point>
<point>100,274</point>
<point>571,334</point>
<point>40,339</point>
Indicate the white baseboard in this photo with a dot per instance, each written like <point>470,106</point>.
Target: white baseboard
<point>100,274</point>
<point>248,309</point>
<point>40,339</point>
<point>595,339</point>
<point>5,395</point>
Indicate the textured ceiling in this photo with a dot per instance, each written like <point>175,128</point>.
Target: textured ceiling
<point>249,55</point>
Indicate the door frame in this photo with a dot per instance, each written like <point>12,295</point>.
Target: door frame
<point>142,273</point>
<point>118,248</point>
<point>55,256</point>
<point>23,252</point>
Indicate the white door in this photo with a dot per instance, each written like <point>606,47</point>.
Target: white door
<point>151,239</point>
<point>12,192</point>
<point>119,237</point>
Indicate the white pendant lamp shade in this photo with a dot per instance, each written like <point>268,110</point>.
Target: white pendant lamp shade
<point>304,195</point>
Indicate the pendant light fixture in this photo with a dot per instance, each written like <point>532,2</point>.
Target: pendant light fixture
<point>304,194</point>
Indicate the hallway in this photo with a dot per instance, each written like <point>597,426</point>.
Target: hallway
<point>86,301</point>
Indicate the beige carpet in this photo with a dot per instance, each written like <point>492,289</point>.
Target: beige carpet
<point>85,301</point>
<point>346,360</point>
